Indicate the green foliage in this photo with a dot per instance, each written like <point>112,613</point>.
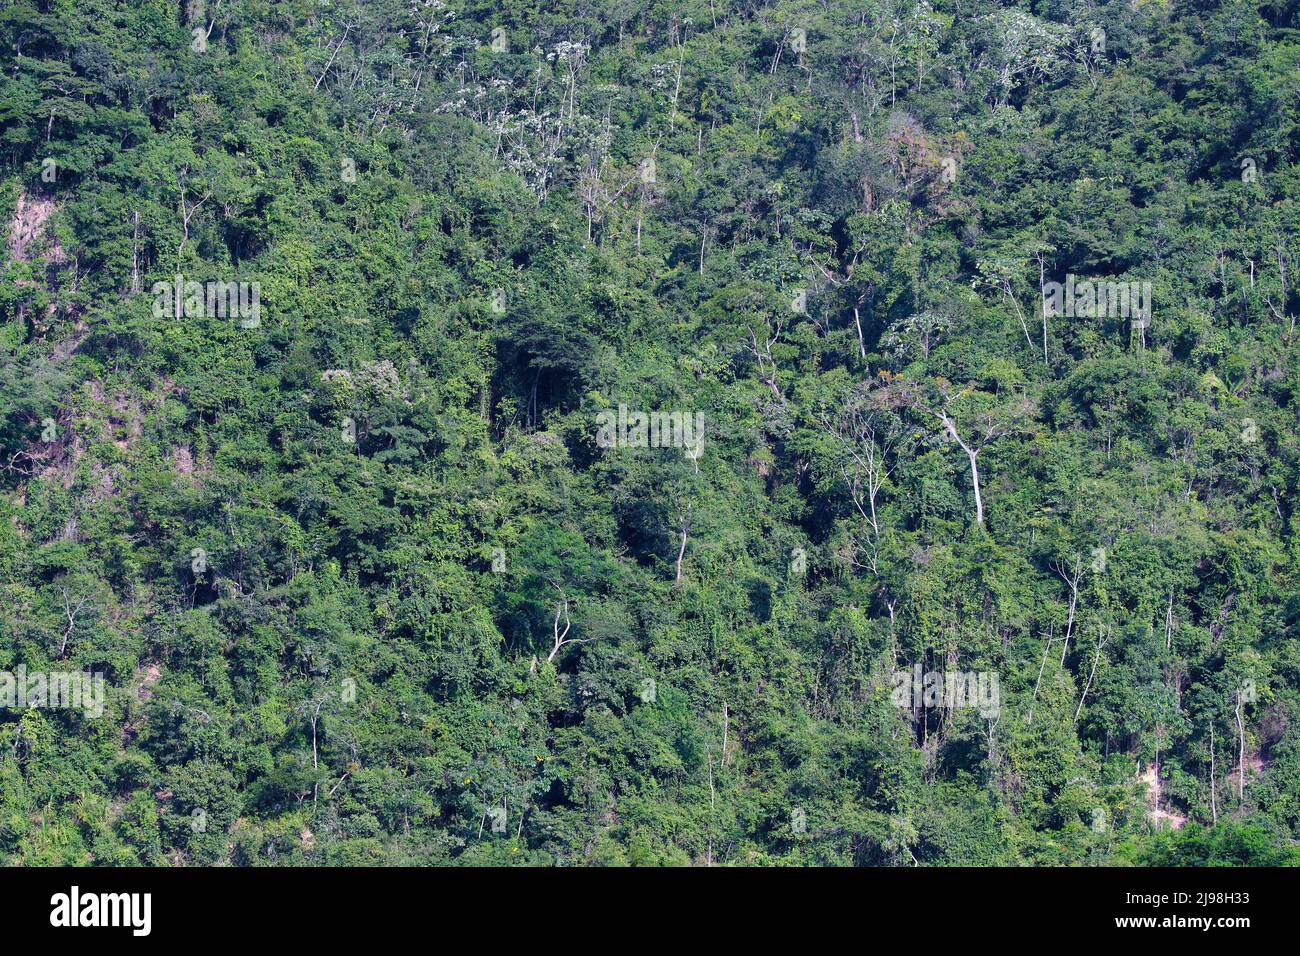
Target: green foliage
<point>365,582</point>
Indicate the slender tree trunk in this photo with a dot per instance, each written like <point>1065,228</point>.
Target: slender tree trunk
<point>972,454</point>
<point>1074,603</point>
<point>711,803</point>
<point>726,718</point>
<point>1038,683</point>
<point>1241,751</point>
<point>975,481</point>
<point>332,57</point>
<point>135,254</point>
<point>1029,718</point>
<point>1214,805</point>
<point>1042,275</point>
<point>1169,622</point>
<point>1093,673</point>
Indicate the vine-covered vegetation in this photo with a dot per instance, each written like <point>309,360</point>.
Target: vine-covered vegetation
<point>380,566</point>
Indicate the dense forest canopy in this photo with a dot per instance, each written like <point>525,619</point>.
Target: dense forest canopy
<point>614,432</point>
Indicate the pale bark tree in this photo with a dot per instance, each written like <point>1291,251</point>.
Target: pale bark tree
<point>188,211</point>
<point>1214,805</point>
<point>985,427</point>
<point>1029,717</point>
<point>972,454</point>
<point>561,638</point>
<point>862,441</point>
<point>1241,746</point>
<point>75,603</point>
<point>1101,644</point>
<point>866,296</point>
<point>1040,256</point>
<point>682,524</point>
<point>1281,258</point>
<point>312,709</point>
<point>1169,622</point>
<point>334,52</point>
<point>761,342</point>
<point>857,322</point>
<point>1071,576</point>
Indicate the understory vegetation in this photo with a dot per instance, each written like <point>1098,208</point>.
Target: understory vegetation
<point>376,552</point>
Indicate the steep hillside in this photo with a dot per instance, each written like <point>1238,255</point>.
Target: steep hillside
<point>709,432</point>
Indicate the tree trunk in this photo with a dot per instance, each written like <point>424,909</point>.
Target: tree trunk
<point>972,454</point>
<point>975,480</point>
<point>1214,806</point>
<point>1241,751</point>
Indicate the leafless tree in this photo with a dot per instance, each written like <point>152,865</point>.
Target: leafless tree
<point>1072,577</point>
<point>334,52</point>
<point>1101,643</point>
<point>73,606</point>
<point>760,345</point>
<point>863,441</point>
<point>188,210</point>
<point>560,638</point>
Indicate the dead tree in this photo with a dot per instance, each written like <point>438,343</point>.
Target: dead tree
<point>560,638</point>
<point>862,444</point>
<point>1101,643</point>
<point>1072,577</point>
<point>770,335</point>
<point>73,606</point>
<point>682,511</point>
<point>987,428</point>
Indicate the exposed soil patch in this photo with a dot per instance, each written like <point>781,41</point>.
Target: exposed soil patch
<point>27,226</point>
<point>151,676</point>
<point>1155,790</point>
<point>183,460</point>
